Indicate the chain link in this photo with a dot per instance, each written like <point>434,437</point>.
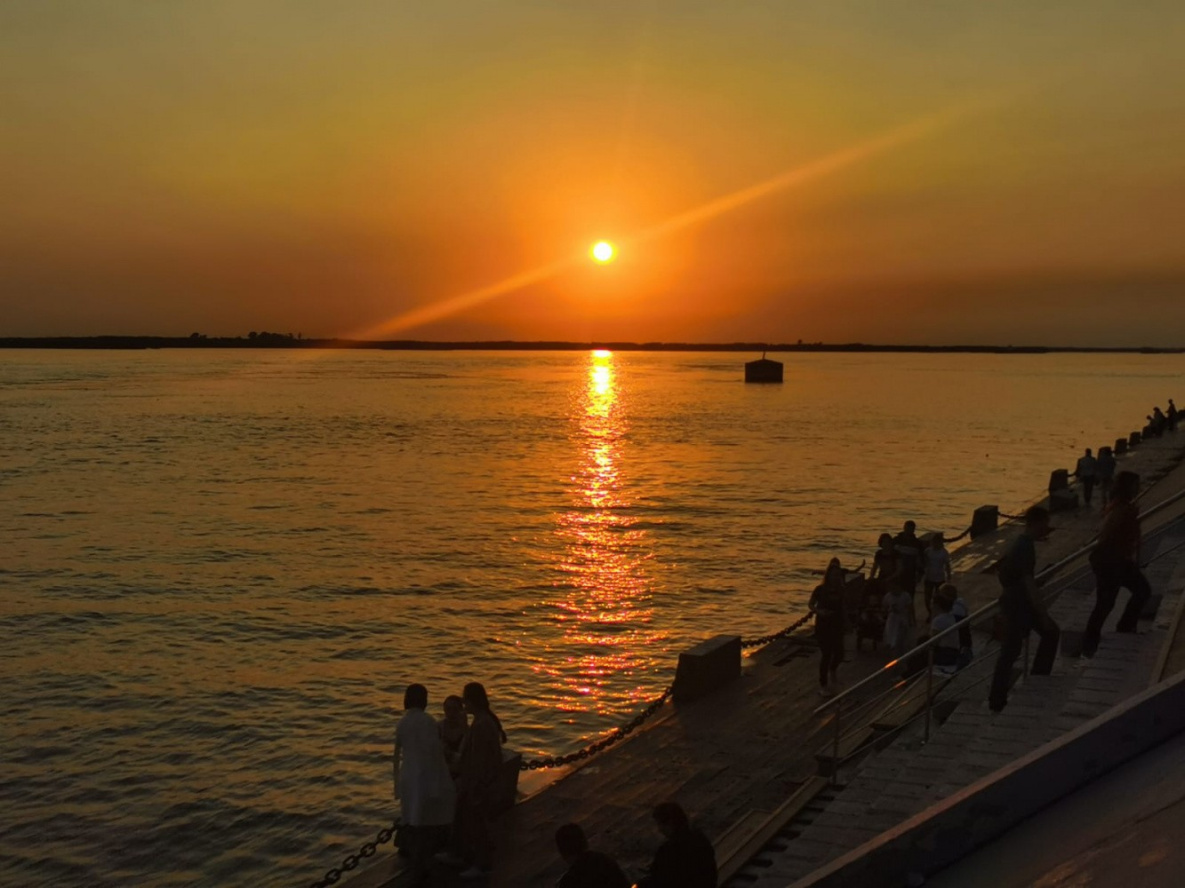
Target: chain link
<point>558,761</point>
<point>766,639</point>
<point>351,862</point>
<point>955,539</point>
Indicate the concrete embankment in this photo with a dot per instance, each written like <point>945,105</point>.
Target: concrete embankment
<point>738,758</point>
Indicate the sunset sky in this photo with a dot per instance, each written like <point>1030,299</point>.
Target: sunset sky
<point>939,172</point>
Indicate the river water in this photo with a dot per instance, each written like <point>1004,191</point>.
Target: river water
<point>221,568</point>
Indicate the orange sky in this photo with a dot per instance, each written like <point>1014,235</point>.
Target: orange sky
<point>330,168</point>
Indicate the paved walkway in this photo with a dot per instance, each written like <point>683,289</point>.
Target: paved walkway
<point>740,753</point>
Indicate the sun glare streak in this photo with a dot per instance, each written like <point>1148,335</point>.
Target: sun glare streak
<point>800,175</point>
<point>808,172</point>
<point>443,309</point>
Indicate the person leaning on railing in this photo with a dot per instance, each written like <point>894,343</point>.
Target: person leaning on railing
<point>1022,609</point>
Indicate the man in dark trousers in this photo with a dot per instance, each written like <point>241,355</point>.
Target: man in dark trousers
<point>685,859</point>
<point>1116,562</point>
<point>1022,608</point>
<point>909,552</point>
<point>586,869</point>
<point>1087,472</point>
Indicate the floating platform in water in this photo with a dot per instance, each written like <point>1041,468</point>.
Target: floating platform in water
<point>763,370</point>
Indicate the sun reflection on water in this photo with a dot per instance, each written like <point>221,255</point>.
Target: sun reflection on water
<point>604,610</point>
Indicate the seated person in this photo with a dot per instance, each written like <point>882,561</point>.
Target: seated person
<point>586,869</point>
<point>685,859</point>
<point>951,651</point>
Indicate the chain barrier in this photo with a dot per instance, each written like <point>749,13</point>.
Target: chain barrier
<point>351,862</point>
<point>766,639</point>
<point>956,538</point>
<point>1012,517</point>
<point>558,761</point>
<point>636,722</point>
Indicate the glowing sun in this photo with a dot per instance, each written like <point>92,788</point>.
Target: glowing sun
<point>603,251</point>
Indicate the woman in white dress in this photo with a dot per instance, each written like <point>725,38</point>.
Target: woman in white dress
<point>423,784</point>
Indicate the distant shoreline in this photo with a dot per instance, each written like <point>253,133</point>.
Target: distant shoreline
<point>133,343</point>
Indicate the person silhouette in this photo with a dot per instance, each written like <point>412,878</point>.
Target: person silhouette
<point>827,604</point>
<point>1115,561</point>
<point>1087,472</point>
<point>1022,608</point>
<point>586,869</point>
<point>685,859</point>
<point>423,784</point>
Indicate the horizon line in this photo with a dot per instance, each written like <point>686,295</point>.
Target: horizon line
<point>288,340</point>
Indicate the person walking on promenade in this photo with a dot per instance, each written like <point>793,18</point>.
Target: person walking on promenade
<point>686,859</point>
<point>909,553</point>
<point>827,604</point>
<point>478,769</point>
<point>1106,469</point>
<point>886,566</point>
<point>586,869</point>
<point>1116,562</point>
<point>1022,609</point>
<point>1087,472</point>
<point>936,569</point>
<point>423,784</point>
<point>1172,416</point>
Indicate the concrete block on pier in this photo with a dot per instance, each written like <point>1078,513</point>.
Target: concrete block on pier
<point>707,666</point>
<point>1059,479</point>
<point>1120,446</point>
<point>1062,500</point>
<point>506,790</point>
<point>984,520</point>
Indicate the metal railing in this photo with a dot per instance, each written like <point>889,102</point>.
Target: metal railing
<point>926,649</point>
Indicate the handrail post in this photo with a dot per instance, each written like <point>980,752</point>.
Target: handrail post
<point>835,745</point>
<point>929,689</point>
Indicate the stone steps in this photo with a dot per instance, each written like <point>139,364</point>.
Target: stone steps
<point>891,785</point>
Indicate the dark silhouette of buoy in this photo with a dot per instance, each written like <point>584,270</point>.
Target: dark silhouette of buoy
<point>763,370</point>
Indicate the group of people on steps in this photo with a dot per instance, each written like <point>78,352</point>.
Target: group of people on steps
<point>1115,562</point>
<point>900,561</point>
